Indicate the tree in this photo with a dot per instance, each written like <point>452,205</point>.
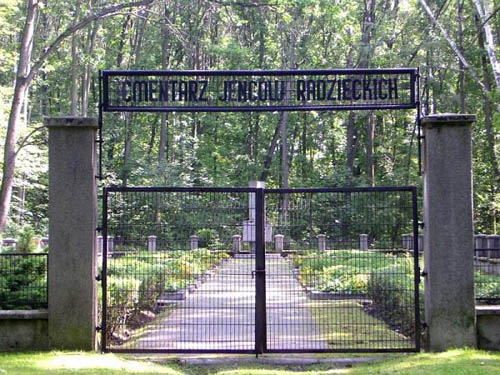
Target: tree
<point>25,73</point>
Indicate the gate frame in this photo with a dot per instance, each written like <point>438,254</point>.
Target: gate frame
<point>260,337</point>
<point>414,103</point>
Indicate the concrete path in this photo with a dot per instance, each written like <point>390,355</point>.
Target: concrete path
<point>220,314</point>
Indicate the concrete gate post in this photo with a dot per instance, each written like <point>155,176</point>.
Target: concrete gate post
<point>448,232</point>
<point>72,232</point>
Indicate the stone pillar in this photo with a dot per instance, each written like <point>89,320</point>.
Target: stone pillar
<point>194,242</point>
<point>151,243</point>
<point>363,242</point>
<point>72,233</point>
<point>279,243</point>
<point>321,242</point>
<point>448,232</point>
<point>236,244</point>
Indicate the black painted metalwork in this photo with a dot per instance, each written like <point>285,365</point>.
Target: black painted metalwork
<point>326,287</point>
<point>255,91</point>
<point>23,281</point>
<point>487,269</point>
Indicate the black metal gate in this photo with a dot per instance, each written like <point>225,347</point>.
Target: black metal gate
<point>251,270</point>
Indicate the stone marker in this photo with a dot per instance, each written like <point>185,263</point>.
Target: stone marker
<point>151,243</point>
<point>8,242</point>
<point>194,242</point>
<point>100,244</point>
<point>236,244</point>
<point>111,244</point>
<point>363,242</point>
<point>44,242</point>
<point>321,242</point>
<point>279,243</point>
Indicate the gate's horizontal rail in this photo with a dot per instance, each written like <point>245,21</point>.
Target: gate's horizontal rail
<point>200,189</point>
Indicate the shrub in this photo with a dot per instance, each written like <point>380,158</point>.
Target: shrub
<point>23,282</point>
<point>392,291</point>
<point>25,242</point>
<point>209,238</point>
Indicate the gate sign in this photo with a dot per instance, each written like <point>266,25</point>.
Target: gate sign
<point>236,91</point>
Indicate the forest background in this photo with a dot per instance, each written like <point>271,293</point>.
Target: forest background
<point>51,52</point>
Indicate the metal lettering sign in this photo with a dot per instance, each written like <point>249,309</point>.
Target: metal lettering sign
<point>237,91</point>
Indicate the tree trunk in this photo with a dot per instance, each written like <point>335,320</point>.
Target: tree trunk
<point>488,110</point>
<point>74,66</point>
<point>489,37</point>
<point>351,142</point>
<point>270,152</point>
<point>88,67</point>
<point>453,45</point>
<point>370,135</point>
<point>461,73</point>
<point>21,87</point>
<point>25,75</point>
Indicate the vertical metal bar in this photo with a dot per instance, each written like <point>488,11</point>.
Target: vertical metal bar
<point>260,274</point>
<point>412,87</point>
<point>99,119</point>
<point>416,268</point>
<point>47,280</point>
<point>419,130</point>
<point>104,267</point>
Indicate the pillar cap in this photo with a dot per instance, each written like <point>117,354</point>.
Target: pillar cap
<point>71,122</point>
<point>450,119</point>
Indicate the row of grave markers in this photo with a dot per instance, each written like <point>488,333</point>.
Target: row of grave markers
<point>41,243</point>
<point>483,243</point>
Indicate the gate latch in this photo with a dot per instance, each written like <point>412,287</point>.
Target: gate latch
<point>254,272</point>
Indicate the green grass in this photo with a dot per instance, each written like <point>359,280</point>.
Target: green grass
<point>453,362</point>
<point>345,324</point>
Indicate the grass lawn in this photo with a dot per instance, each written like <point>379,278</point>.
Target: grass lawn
<point>453,362</point>
<point>345,324</point>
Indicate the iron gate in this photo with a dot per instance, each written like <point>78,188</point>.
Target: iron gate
<point>251,270</point>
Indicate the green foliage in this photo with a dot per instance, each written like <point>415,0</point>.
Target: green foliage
<point>138,279</point>
<point>26,241</point>
<point>209,238</point>
<point>23,282</point>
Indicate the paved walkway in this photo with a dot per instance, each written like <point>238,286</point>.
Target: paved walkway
<point>220,314</point>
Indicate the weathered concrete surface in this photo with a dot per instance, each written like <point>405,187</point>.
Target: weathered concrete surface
<point>72,225</point>
<point>488,327</point>
<point>448,232</point>
<point>23,330</point>
<point>220,314</point>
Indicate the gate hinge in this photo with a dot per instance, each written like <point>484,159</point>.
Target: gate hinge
<point>424,326</point>
<point>98,229</point>
<point>421,224</point>
<point>423,273</point>
<point>98,328</point>
<point>98,277</point>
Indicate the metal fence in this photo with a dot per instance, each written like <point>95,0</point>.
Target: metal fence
<point>23,281</point>
<point>487,268</point>
<point>251,270</point>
